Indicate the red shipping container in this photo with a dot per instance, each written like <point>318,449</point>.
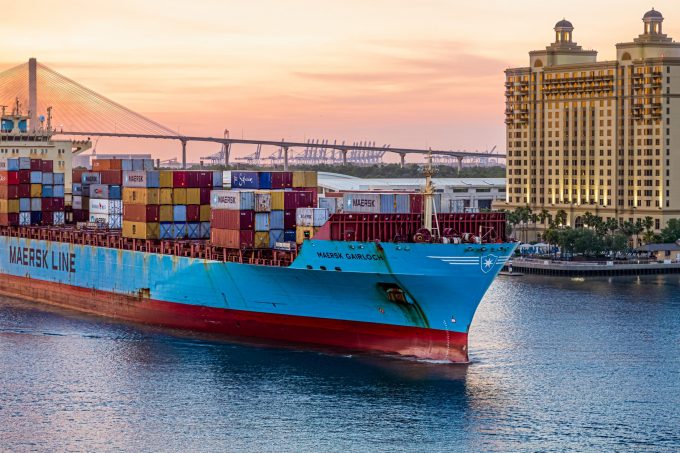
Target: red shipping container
<point>11,219</point>
<point>24,176</point>
<point>205,179</point>
<point>47,218</point>
<point>36,164</point>
<point>9,192</point>
<point>76,174</point>
<point>47,166</point>
<point>179,179</point>
<point>205,195</point>
<point>232,220</point>
<point>9,178</point>
<point>114,177</point>
<point>416,202</point>
<point>289,219</point>
<point>24,190</point>
<point>80,215</point>
<point>141,212</point>
<point>46,205</point>
<point>115,164</point>
<point>193,213</point>
<point>282,179</point>
<point>233,239</point>
<point>192,179</point>
<point>57,204</point>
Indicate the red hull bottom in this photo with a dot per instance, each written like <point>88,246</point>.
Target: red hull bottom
<point>349,335</point>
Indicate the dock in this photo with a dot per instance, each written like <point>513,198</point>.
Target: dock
<point>591,268</point>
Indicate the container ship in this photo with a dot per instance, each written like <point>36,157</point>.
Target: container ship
<point>264,259</point>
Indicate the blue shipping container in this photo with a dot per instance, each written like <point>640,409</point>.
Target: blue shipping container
<point>265,178</point>
<point>59,191</point>
<point>217,179</point>
<point>115,193</point>
<point>387,203</point>
<point>205,230</point>
<point>289,236</point>
<point>276,220</point>
<point>261,221</point>
<point>179,230</point>
<point>24,163</point>
<point>59,178</point>
<point>47,191</point>
<point>137,164</point>
<point>36,218</point>
<point>245,180</point>
<point>77,188</point>
<point>12,164</point>
<point>166,230</point>
<point>24,204</point>
<point>24,218</point>
<point>36,177</point>
<point>274,237</point>
<point>194,230</point>
<point>36,204</point>
<point>48,178</point>
<point>126,164</point>
<point>179,213</point>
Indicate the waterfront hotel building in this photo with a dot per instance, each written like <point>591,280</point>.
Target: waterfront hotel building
<point>602,137</point>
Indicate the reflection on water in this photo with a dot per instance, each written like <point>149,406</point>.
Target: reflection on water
<point>557,364</point>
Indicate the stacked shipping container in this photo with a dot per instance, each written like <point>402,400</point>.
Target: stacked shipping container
<point>260,210</point>
<point>30,192</point>
<point>172,204</point>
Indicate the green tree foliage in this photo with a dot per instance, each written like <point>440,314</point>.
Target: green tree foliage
<point>671,232</point>
<point>383,171</point>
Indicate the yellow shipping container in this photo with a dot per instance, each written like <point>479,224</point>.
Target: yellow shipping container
<point>302,233</point>
<point>36,190</point>
<point>135,195</point>
<point>179,196</point>
<point>305,179</point>
<point>277,200</point>
<point>165,178</point>
<point>205,213</point>
<point>261,240</point>
<point>193,196</point>
<point>166,196</point>
<point>8,206</point>
<point>141,230</point>
<point>165,214</point>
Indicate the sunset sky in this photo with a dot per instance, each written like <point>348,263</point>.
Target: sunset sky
<point>409,73</point>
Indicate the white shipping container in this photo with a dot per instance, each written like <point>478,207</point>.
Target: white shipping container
<point>24,218</point>
<point>311,217</point>
<point>361,202</point>
<point>112,221</point>
<point>330,203</point>
<point>98,206</point>
<point>59,218</point>
<point>233,200</point>
<point>77,202</point>
<point>263,201</point>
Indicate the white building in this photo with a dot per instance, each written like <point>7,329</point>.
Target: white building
<point>467,193</point>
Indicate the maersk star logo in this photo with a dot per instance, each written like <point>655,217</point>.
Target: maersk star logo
<point>487,262</point>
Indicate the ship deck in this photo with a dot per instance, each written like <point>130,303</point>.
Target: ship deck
<point>195,248</point>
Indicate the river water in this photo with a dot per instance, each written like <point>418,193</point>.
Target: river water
<point>557,364</point>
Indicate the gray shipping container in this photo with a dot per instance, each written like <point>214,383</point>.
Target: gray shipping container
<point>141,178</point>
<point>233,200</point>
<point>361,202</point>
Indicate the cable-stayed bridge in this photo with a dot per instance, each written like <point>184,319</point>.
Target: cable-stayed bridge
<point>75,110</point>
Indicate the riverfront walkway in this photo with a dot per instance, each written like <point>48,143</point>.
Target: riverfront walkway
<point>591,268</point>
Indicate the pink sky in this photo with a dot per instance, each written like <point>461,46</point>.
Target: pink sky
<point>423,73</point>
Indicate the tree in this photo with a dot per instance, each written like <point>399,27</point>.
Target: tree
<point>671,231</point>
<point>561,217</point>
<point>612,225</point>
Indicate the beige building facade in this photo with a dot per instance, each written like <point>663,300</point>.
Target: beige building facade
<point>599,137</point>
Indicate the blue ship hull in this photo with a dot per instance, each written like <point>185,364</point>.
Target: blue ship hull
<point>412,299</point>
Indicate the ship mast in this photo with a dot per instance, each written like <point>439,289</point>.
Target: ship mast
<point>429,193</point>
